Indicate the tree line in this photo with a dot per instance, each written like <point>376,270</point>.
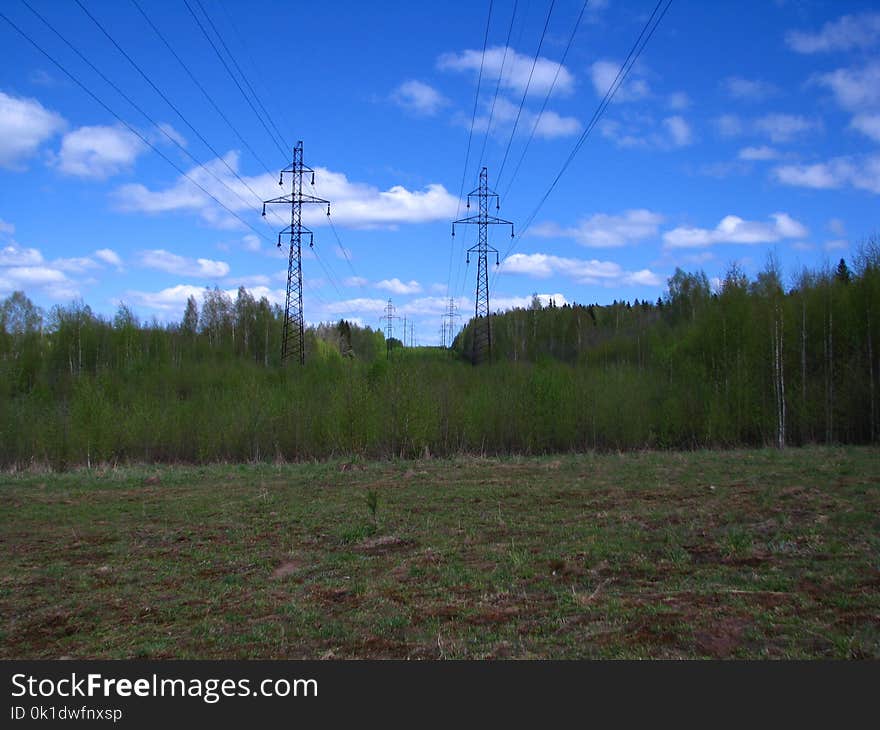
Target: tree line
<point>746,362</point>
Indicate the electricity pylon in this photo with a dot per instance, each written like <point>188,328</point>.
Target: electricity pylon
<point>389,317</point>
<point>482,336</point>
<point>448,319</point>
<point>293,341</point>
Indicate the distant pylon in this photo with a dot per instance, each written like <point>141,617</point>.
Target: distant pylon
<point>292,340</point>
<point>448,319</point>
<point>389,317</point>
<point>482,335</point>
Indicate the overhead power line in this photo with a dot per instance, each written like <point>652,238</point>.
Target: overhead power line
<point>644,37</point>
<point>201,88</point>
<point>128,126</point>
<point>244,77</point>
<point>232,75</point>
<point>537,121</point>
<point>526,91</point>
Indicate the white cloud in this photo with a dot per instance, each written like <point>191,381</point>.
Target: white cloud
<point>758,153</point>
<point>419,98</point>
<point>838,245</point>
<point>6,227</point>
<point>354,204</point>
<point>679,101</point>
<point>785,127</point>
<point>15,255</point>
<point>24,125</point>
<point>98,152</point>
<point>355,281</point>
<point>603,74</point>
<point>51,281</point>
<point>856,89</point>
<point>174,264</point>
<point>607,231</point>
<point>641,131</point>
<point>251,243</point>
<point>679,131</point>
<point>167,132</point>
<point>583,271</point>
<point>839,172</point>
<point>729,125</point>
<point>843,34</point>
<point>109,256</point>
<point>748,89</point>
<point>517,68</point>
<point>500,304</point>
<point>172,300</point>
<point>76,265</point>
<point>836,225</point>
<point>733,229</point>
<point>504,115</point>
<point>396,286</point>
<point>867,124</point>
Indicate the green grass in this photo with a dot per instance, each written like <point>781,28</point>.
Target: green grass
<point>739,554</point>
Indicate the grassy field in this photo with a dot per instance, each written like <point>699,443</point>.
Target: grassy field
<point>741,554</point>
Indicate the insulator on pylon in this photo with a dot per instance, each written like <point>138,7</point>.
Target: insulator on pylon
<point>328,210</point>
<point>469,204</point>
<point>313,178</point>
<point>497,261</point>
<point>281,179</point>
<point>279,240</point>
<point>467,259</point>
<point>264,210</point>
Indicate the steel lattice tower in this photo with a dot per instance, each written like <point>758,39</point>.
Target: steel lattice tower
<point>482,336</point>
<point>292,341</point>
<point>389,317</point>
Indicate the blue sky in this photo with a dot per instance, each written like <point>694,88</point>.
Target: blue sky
<point>744,129</point>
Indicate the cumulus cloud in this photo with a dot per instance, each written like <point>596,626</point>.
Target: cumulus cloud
<point>642,131</point>
<point>867,124</point>
<point>758,153</point>
<point>15,255</point>
<point>785,127</point>
<point>844,34</point>
<point>548,125</point>
<point>173,264</point>
<point>98,152</point>
<point>172,299</point>
<point>603,74</point>
<point>607,231</point>
<point>582,271</point>
<point>679,130</point>
<point>517,68</point>
<point>109,256</point>
<point>733,229</point>
<point>748,89</point>
<point>839,172</point>
<point>25,124</point>
<point>419,98</point>
<point>354,204</point>
<point>396,286</point>
<point>856,89</point>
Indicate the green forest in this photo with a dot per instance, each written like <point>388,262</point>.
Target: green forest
<point>777,360</point>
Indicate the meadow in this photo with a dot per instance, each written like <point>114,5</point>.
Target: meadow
<point>721,554</point>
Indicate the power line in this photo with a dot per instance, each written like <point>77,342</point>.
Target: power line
<point>201,88</point>
<point>526,92</point>
<point>470,137</point>
<point>644,37</point>
<point>243,76</point>
<point>498,85</point>
<point>232,75</point>
<point>126,124</point>
<point>171,104</point>
<point>547,97</point>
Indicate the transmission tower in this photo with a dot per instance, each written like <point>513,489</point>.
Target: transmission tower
<point>389,317</point>
<point>482,339</point>
<point>292,341</point>
<point>448,320</point>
